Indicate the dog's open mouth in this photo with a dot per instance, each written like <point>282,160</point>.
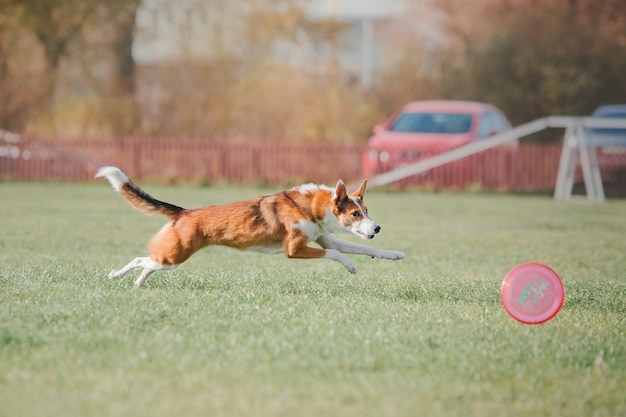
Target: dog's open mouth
<point>364,235</point>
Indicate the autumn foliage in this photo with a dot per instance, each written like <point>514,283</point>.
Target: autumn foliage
<point>66,68</point>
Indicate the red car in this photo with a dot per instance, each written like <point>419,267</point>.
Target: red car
<point>424,128</point>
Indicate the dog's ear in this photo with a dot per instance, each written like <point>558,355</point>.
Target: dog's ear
<point>340,193</point>
<point>360,193</point>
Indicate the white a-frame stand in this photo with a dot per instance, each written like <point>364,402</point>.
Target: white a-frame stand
<point>575,149</point>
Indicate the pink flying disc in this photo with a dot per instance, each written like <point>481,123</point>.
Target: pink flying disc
<point>532,293</point>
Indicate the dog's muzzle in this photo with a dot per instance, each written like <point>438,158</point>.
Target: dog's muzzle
<point>369,232</point>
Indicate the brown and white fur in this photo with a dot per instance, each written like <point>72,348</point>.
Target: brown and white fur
<point>283,222</point>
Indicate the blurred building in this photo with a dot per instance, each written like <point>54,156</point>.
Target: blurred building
<point>347,40</point>
<point>355,37</point>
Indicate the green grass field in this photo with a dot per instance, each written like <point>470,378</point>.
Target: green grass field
<point>244,334</point>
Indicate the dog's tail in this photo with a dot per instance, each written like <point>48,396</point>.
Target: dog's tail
<point>135,195</point>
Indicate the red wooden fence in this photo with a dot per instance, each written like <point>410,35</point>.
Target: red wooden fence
<point>532,168</point>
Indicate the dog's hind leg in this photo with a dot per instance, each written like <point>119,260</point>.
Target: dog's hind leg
<point>149,266</point>
<point>143,277</point>
<point>136,263</point>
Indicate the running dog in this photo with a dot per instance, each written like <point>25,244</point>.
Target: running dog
<point>283,222</point>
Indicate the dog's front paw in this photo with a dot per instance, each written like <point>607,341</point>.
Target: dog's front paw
<point>347,262</point>
<point>350,266</point>
<point>342,259</point>
<point>393,255</point>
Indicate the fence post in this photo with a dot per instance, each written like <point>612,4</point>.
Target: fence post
<point>567,166</point>
<point>135,149</point>
<point>589,165</point>
<point>575,147</point>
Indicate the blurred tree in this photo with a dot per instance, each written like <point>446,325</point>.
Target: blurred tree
<point>53,23</point>
<point>412,68</point>
<point>537,57</point>
<point>121,15</point>
<point>22,74</point>
<point>56,25</point>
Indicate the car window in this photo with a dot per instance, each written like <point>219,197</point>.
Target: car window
<point>491,123</point>
<point>432,123</point>
<point>608,131</point>
<point>501,123</point>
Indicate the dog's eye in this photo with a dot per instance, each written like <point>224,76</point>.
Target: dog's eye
<point>356,214</point>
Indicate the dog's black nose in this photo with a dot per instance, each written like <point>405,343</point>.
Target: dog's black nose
<point>377,229</point>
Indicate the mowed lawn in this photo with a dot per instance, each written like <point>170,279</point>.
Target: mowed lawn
<point>244,334</point>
